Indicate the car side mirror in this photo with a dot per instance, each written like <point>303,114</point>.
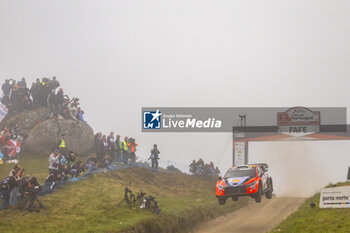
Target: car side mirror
<point>219,178</point>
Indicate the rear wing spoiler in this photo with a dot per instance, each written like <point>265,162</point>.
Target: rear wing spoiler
<point>262,165</point>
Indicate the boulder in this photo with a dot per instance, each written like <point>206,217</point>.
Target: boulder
<point>43,138</point>
<point>43,132</point>
<point>28,119</point>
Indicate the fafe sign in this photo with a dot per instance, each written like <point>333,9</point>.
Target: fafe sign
<point>299,121</point>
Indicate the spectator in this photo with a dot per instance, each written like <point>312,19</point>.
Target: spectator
<point>76,169</point>
<point>132,149</point>
<point>54,161</point>
<point>17,173</point>
<point>117,147</point>
<point>6,187</point>
<point>110,140</point>
<point>91,164</point>
<point>193,167</point>
<point>107,161</point>
<point>51,102</point>
<point>28,105</point>
<point>22,83</point>
<point>73,108</point>
<point>53,84</point>
<point>154,156</point>
<point>6,88</point>
<point>61,144</point>
<point>124,152</point>
<point>59,101</point>
<point>31,191</point>
<point>80,115</point>
<point>35,91</point>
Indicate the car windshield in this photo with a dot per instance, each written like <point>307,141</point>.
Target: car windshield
<point>234,172</point>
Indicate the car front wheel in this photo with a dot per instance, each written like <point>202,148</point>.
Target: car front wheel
<point>268,194</point>
<point>222,201</point>
<point>258,195</point>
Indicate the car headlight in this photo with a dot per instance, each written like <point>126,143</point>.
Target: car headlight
<point>250,185</point>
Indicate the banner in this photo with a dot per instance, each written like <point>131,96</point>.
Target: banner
<point>3,111</point>
<point>337,197</point>
<point>206,119</point>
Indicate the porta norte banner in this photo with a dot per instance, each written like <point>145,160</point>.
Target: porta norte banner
<point>337,197</point>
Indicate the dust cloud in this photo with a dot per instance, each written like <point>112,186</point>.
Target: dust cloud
<point>302,168</point>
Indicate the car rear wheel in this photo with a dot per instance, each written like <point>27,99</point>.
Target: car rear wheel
<point>235,198</point>
<point>222,200</point>
<point>268,194</point>
<point>258,195</point>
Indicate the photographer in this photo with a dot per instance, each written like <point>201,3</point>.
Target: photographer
<point>16,173</point>
<point>31,194</point>
<point>6,187</point>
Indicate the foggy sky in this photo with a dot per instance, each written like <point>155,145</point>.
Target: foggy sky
<point>118,56</point>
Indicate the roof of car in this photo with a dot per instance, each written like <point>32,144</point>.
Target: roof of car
<point>264,165</point>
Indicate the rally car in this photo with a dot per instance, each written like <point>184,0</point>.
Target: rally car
<point>245,180</point>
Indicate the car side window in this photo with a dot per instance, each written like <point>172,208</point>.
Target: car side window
<point>260,172</point>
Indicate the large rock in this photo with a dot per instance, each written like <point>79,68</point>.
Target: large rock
<point>42,139</point>
<point>28,119</point>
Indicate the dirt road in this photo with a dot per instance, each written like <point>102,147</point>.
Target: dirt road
<point>255,218</point>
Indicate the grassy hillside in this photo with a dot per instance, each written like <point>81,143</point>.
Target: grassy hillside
<point>33,166</point>
<point>91,205</point>
<point>316,220</point>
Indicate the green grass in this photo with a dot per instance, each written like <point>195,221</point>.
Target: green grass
<point>33,166</point>
<point>316,220</point>
<point>91,205</point>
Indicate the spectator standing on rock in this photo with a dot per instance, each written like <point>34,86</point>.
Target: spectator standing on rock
<point>53,84</point>
<point>6,87</point>
<point>51,102</point>
<point>59,101</point>
<point>80,115</point>
<point>154,156</point>
<point>22,83</point>
<point>35,91</point>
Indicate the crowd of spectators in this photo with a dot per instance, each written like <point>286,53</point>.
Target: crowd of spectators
<point>203,169</point>
<point>123,151</point>
<point>18,97</point>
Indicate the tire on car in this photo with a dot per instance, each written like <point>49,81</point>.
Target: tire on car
<point>259,193</point>
<point>222,200</point>
<point>268,194</point>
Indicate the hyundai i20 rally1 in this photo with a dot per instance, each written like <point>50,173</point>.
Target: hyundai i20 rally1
<point>245,180</point>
